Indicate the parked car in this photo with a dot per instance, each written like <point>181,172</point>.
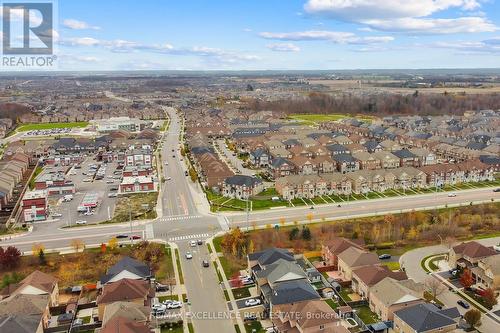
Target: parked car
<point>249,317</point>
<point>174,305</point>
<point>56,215</point>
<point>88,213</point>
<point>161,287</point>
<point>113,189</point>
<point>80,222</point>
<point>463,304</point>
<point>112,195</point>
<point>205,263</point>
<point>158,306</point>
<point>252,302</point>
<point>189,255</point>
<point>384,256</point>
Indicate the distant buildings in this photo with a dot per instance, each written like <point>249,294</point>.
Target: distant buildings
<point>118,124</point>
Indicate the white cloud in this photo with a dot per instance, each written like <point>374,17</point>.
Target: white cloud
<point>125,46</point>
<point>332,36</point>
<point>247,30</point>
<point>79,25</point>
<point>488,46</point>
<point>359,10</point>
<point>283,47</point>
<point>405,15</point>
<point>434,26</point>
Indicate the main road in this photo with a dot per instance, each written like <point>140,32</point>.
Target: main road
<point>185,216</point>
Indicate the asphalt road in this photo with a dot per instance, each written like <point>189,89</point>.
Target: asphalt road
<point>206,298</point>
<point>361,208</point>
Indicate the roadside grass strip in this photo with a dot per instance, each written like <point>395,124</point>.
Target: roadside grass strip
<point>305,203</point>
<point>323,199</point>
<point>291,203</point>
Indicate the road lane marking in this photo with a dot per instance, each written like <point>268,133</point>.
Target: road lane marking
<point>179,217</point>
<point>186,237</point>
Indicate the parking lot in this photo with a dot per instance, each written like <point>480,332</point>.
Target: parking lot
<point>87,184</point>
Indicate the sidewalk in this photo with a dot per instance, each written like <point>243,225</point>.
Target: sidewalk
<point>214,257</point>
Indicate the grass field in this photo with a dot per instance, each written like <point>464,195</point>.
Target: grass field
<point>44,126</point>
<point>313,119</point>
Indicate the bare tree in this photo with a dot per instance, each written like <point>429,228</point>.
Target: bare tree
<point>77,245</point>
<point>434,286</point>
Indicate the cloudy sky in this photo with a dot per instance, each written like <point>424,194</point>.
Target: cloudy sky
<point>277,34</point>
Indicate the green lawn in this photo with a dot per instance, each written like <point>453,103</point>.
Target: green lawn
<point>179,268</point>
<point>312,119</point>
<point>191,328</point>
<point>366,315</point>
<point>332,303</point>
<point>254,325</point>
<point>229,268</point>
<point>393,266</point>
<point>242,292</point>
<point>344,293</point>
<point>171,297</point>
<point>173,328</point>
<point>43,126</point>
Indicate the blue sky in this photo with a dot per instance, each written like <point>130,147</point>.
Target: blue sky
<point>277,34</point>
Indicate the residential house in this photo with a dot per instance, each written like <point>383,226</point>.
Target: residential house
<point>487,272</point>
<point>124,325</point>
<point>390,295</point>
<point>298,186</point>
<point>346,163</point>
<point>309,316</point>
<point>305,165</point>
<point>406,158</point>
<point>131,311</point>
<point>364,278</point>
<point>468,254</point>
<point>425,318</point>
<point>335,246</point>
<point>281,167</point>
<point>259,260</point>
<point>127,268</point>
<point>373,146</point>
<point>390,145</point>
<point>259,158</point>
<point>425,156</point>
<point>367,161</point>
<point>387,160</point>
<point>337,149</point>
<point>242,187</point>
<point>353,258</point>
<point>127,290</point>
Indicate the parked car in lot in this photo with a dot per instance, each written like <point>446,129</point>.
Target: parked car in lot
<point>113,189</point>
<point>384,256</point>
<point>112,195</point>
<point>189,255</point>
<point>56,215</point>
<point>110,181</point>
<point>252,302</point>
<point>463,304</point>
<point>88,213</point>
<point>173,304</point>
<point>80,222</point>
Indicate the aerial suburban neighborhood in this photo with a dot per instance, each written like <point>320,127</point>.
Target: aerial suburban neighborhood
<point>310,166</point>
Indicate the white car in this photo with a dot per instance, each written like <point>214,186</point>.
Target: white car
<point>159,306</point>
<point>192,243</point>
<point>112,195</point>
<point>90,213</point>
<point>87,180</point>
<point>56,215</point>
<point>110,181</point>
<point>189,255</point>
<point>252,302</point>
<point>166,163</point>
<point>452,195</point>
<point>81,222</point>
<point>174,305</point>
<point>169,178</point>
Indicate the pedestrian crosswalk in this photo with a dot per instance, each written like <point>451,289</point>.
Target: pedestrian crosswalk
<point>179,217</point>
<point>149,231</point>
<point>188,237</point>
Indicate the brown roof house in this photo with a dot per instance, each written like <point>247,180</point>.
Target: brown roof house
<point>332,248</point>
<point>124,325</point>
<point>365,277</point>
<point>125,290</point>
<point>487,272</point>
<point>468,254</point>
<point>354,258</point>
<point>37,283</point>
<point>132,311</point>
<point>306,317</point>
<point>390,295</point>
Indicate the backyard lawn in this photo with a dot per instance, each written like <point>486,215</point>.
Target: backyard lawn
<point>366,315</point>
<point>254,325</point>
<point>242,292</point>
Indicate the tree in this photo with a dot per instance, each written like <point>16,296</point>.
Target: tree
<point>77,245</point>
<point>434,286</point>
<point>193,174</point>
<point>293,233</point>
<point>251,246</point>
<point>10,257</point>
<point>489,298</point>
<point>466,279</point>
<point>35,248</point>
<point>306,233</point>
<point>41,258</point>
<point>472,317</point>
<point>112,243</point>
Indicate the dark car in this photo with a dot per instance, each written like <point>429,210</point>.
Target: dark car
<point>496,190</point>
<point>161,287</point>
<point>384,256</point>
<point>250,317</point>
<point>121,236</point>
<point>199,242</point>
<point>205,263</point>
<point>134,237</point>
<point>463,304</point>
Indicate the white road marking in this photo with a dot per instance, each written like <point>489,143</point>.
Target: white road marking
<point>179,217</point>
<point>186,237</point>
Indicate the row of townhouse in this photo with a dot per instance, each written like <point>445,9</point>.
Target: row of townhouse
<point>12,170</point>
<point>391,295</point>
<point>364,181</point>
